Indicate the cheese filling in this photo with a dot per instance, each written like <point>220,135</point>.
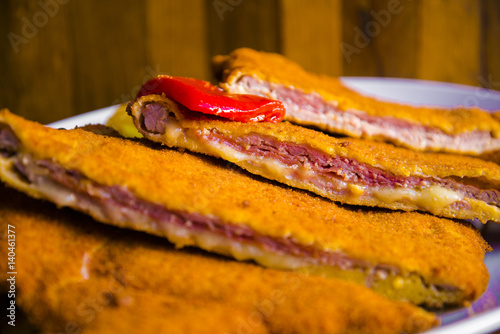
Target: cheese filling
<point>313,109</point>
<point>432,198</point>
<point>337,180</point>
<point>393,284</point>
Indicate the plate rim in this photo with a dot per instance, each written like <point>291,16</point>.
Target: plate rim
<point>478,323</point>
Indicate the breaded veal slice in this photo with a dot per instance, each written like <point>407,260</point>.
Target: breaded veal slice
<point>99,279</point>
<point>348,170</point>
<point>326,103</point>
<point>197,201</point>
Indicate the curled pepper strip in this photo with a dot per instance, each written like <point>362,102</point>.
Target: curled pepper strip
<point>202,96</point>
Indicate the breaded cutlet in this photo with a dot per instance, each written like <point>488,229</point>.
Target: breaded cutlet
<point>347,170</point>
<point>328,104</point>
<point>76,275</point>
<point>198,201</point>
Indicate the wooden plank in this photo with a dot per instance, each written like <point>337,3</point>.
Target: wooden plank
<point>110,52</point>
<point>37,61</point>
<point>356,48</point>
<point>396,45</point>
<point>380,38</point>
<point>82,56</point>
<point>312,34</point>
<point>449,41</point>
<point>7,89</point>
<point>176,37</point>
<point>490,46</point>
<point>236,23</point>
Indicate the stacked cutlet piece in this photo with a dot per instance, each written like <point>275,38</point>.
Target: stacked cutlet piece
<point>304,263</point>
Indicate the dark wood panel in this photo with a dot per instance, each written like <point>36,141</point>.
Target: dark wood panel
<point>6,86</point>
<point>109,50</point>
<point>357,49</point>
<point>312,34</point>
<point>380,38</point>
<point>490,44</point>
<point>240,23</point>
<point>62,57</point>
<point>397,43</point>
<point>449,41</point>
<point>176,37</point>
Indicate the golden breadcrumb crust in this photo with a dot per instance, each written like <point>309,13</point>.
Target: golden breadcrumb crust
<point>277,69</point>
<point>188,133</point>
<point>394,160</point>
<point>442,251</point>
<point>75,274</point>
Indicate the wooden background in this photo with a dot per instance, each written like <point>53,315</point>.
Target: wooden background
<point>63,57</point>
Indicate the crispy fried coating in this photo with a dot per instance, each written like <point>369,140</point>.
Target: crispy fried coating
<point>397,160</point>
<point>442,251</point>
<point>278,69</point>
<point>75,274</point>
<point>383,156</point>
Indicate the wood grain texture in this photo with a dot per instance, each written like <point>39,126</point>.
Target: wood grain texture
<point>39,62</point>
<point>176,37</point>
<point>311,34</point>
<point>357,50</point>
<point>60,58</point>
<point>240,23</point>
<point>490,44</point>
<point>449,41</point>
<point>104,68</point>
<point>380,38</point>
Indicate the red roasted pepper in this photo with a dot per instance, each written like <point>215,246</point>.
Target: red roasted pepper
<point>202,96</point>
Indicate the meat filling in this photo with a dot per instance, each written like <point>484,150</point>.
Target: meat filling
<point>155,118</point>
<point>334,168</point>
<point>8,141</point>
<point>346,169</point>
<point>117,204</point>
<point>84,188</point>
<point>311,108</point>
<point>37,171</point>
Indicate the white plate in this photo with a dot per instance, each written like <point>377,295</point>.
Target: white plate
<point>484,315</point>
<point>100,116</point>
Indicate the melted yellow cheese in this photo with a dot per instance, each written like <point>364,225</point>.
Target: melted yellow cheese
<point>397,286</point>
<point>433,198</point>
<point>408,286</point>
<point>125,217</point>
<point>123,123</point>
